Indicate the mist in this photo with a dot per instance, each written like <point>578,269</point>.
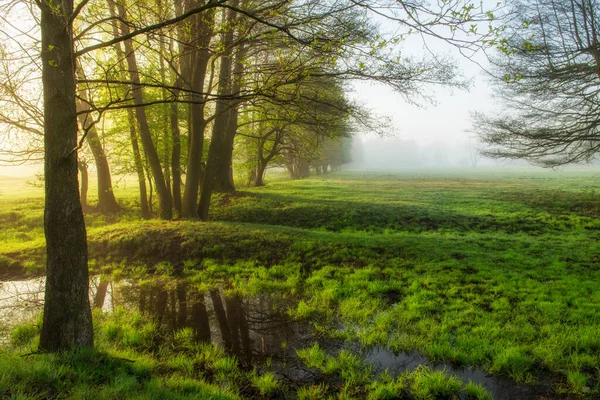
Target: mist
<point>391,153</point>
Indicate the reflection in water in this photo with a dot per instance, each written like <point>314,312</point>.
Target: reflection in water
<point>500,388</point>
<point>257,330</point>
<point>20,301</point>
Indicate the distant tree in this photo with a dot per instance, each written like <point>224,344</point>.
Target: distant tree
<point>473,149</point>
<point>548,76</point>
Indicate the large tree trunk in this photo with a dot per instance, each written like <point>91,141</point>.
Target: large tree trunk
<point>166,118</point>
<point>164,195</point>
<point>204,25</point>
<point>106,197</point>
<point>218,145</point>
<point>223,181</point>
<point>67,320</point>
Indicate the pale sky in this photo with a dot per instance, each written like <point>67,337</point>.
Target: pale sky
<point>447,121</point>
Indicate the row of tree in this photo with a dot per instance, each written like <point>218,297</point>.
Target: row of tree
<point>172,106</point>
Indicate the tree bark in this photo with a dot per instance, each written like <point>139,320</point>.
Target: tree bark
<point>223,181</point>
<point>260,174</point>
<point>218,144</point>
<point>204,26</point>
<point>67,320</point>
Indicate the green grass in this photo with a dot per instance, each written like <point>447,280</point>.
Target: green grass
<point>494,270</point>
<point>121,366</point>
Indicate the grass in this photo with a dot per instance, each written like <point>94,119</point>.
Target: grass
<point>121,366</point>
<point>494,270</point>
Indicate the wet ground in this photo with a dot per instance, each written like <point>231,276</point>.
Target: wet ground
<point>257,330</point>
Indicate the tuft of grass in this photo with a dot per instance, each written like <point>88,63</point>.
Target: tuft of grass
<point>430,384</point>
<point>266,384</point>
<point>313,392</point>
<point>474,391</point>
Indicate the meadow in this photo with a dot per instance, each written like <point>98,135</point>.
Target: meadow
<point>481,270</point>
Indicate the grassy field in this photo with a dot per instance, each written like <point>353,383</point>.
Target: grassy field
<point>498,270</point>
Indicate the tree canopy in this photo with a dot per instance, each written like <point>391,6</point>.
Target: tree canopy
<point>547,75</point>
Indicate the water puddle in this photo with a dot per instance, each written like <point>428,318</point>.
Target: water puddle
<point>20,301</point>
<point>257,330</point>
<point>501,388</point>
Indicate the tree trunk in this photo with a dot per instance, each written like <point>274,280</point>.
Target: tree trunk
<point>218,144</point>
<point>176,157</point>
<point>164,195</point>
<point>197,122</point>
<point>67,320</point>
<point>106,197</point>
<point>83,169</point>
<point>166,118</point>
<point>304,169</point>
<point>260,174</point>
<point>139,166</point>
<point>252,177</point>
<point>290,165</point>
<point>224,175</point>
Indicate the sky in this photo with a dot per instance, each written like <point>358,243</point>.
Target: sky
<point>445,124</point>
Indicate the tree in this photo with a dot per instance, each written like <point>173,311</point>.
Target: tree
<point>548,76</point>
<point>164,194</point>
<point>67,321</point>
<point>194,66</point>
<point>106,197</point>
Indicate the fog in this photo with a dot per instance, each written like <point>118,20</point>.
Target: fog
<point>371,152</point>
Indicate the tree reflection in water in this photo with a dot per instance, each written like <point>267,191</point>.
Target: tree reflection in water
<point>257,330</point>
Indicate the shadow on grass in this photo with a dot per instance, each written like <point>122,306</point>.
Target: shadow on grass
<point>359,215</point>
